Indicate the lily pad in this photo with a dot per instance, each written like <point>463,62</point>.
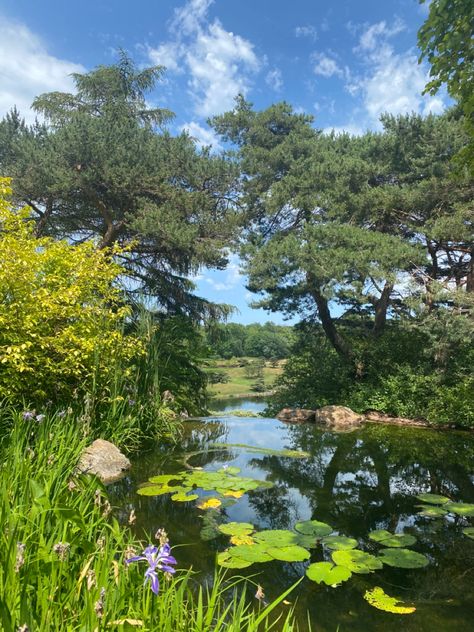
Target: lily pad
<point>292,553</point>
<point>307,541</point>
<point>250,553</point>
<point>403,558</point>
<point>236,528</point>
<point>154,490</point>
<point>379,534</point>
<point>276,537</point>
<point>227,561</point>
<point>395,540</point>
<point>241,539</point>
<point>292,454</point>
<point>313,527</point>
<point>339,542</point>
<point>461,509</point>
<point>430,511</point>
<point>356,561</point>
<point>328,573</point>
<point>469,531</point>
<point>231,469</point>
<point>433,499</point>
<point>379,599</point>
<point>183,497</point>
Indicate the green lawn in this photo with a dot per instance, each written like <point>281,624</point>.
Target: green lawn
<point>240,384</point>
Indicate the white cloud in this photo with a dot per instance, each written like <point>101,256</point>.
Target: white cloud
<point>27,69</point>
<point>326,66</point>
<point>274,79</point>
<point>204,136</point>
<point>391,81</point>
<point>228,279</point>
<point>219,62</point>
<point>351,128</point>
<point>306,31</point>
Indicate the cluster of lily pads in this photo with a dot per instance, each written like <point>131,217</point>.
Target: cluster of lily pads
<point>437,506</point>
<point>183,485</point>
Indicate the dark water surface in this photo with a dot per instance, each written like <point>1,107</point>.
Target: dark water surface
<point>356,482</point>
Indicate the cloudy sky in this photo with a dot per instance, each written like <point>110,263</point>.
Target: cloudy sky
<point>345,62</point>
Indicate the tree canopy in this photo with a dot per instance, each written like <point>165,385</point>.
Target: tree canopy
<point>103,166</point>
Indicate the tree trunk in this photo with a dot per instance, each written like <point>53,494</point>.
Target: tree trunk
<point>381,308</point>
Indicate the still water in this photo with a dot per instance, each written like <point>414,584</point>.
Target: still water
<point>356,482</point>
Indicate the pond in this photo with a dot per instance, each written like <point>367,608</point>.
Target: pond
<point>356,482</point>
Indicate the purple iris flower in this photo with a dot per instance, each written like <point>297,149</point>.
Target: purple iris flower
<point>28,415</point>
<point>159,559</point>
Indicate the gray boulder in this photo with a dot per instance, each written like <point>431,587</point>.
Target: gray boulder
<point>337,417</point>
<point>104,460</point>
<point>296,415</point>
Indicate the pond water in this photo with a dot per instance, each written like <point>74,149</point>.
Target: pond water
<point>252,405</point>
<point>356,482</point>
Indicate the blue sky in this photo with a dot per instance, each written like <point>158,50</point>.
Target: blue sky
<point>344,62</point>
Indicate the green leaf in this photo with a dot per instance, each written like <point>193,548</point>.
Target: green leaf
<point>154,490</point>
<point>431,512</point>
<point>250,553</point>
<point>328,573</point>
<point>356,561</point>
<point>183,497</point>
<point>469,531</point>
<point>403,558</point>
<point>313,527</point>
<point>232,470</point>
<point>339,542</point>
<point>236,528</point>
<point>461,509</point>
<point>379,599</point>
<point>165,479</point>
<point>225,560</point>
<point>385,538</point>
<point>433,499</point>
<point>276,537</point>
<point>292,553</point>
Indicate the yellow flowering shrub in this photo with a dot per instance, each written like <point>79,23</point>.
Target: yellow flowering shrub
<point>60,313</point>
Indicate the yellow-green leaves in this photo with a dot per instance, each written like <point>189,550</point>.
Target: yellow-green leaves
<point>60,312</point>
<point>379,599</point>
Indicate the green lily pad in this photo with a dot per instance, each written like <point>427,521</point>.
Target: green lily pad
<point>379,534</point>
<point>236,528</point>
<point>307,541</point>
<point>461,509</point>
<point>356,561</point>
<point>379,599</point>
<point>276,537</point>
<point>292,454</point>
<point>164,479</point>
<point>252,553</point>
<point>469,531</point>
<point>227,561</point>
<point>183,497</point>
<point>328,573</point>
<point>339,542</point>
<point>154,490</point>
<point>313,527</point>
<point>403,558</point>
<point>433,499</point>
<point>430,511</point>
<point>292,553</point>
<point>395,540</point>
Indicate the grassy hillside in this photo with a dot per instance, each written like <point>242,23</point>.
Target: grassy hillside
<point>240,383</point>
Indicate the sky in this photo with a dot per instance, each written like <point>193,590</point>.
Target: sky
<point>344,62</point>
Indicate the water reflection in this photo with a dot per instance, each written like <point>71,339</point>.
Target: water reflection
<point>356,482</point>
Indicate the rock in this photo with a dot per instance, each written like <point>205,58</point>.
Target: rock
<point>104,460</point>
<point>337,417</point>
<point>296,415</point>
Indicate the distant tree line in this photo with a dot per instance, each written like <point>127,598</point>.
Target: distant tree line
<point>232,340</point>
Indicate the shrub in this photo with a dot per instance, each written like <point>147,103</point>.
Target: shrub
<point>60,313</point>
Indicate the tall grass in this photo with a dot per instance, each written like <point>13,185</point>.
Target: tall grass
<point>62,551</point>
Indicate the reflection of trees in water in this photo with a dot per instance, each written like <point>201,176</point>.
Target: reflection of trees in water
<point>364,480</point>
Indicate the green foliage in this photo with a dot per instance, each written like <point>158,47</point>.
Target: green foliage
<point>380,600</point>
<point>61,315</point>
<point>328,573</point>
<point>232,340</point>
<point>104,165</point>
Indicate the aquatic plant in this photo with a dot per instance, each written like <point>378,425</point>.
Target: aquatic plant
<point>158,559</point>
